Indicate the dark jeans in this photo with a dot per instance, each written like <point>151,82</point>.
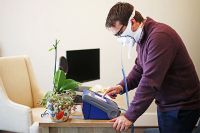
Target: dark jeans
<point>177,121</point>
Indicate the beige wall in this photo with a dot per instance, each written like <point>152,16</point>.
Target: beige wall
<point>31,26</point>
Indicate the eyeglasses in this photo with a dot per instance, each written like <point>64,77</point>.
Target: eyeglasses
<point>120,31</point>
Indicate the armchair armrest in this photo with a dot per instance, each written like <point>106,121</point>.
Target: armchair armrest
<point>14,117</point>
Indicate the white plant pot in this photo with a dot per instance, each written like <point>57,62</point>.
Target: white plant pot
<point>56,114</point>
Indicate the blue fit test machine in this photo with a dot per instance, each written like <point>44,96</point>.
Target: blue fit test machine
<point>97,107</point>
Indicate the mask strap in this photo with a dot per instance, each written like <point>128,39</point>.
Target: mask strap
<point>132,15</point>
<point>142,32</point>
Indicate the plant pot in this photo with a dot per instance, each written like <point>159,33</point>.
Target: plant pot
<point>59,107</point>
<point>58,115</point>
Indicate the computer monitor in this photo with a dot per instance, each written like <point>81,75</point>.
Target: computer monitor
<point>83,65</point>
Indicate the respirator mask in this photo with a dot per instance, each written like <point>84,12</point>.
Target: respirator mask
<point>128,37</point>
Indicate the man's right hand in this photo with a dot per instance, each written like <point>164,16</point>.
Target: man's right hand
<point>113,91</point>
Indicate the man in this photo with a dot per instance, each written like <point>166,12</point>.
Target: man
<point>163,71</point>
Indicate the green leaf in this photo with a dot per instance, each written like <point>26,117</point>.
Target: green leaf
<point>70,81</point>
<point>51,49</point>
<point>67,77</point>
<point>59,79</point>
<point>46,97</point>
<point>48,94</point>
<point>69,86</point>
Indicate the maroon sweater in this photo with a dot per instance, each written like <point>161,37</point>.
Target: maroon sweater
<point>163,71</point>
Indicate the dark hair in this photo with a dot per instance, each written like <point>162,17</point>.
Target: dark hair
<point>121,12</point>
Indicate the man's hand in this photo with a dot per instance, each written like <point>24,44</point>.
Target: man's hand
<point>113,91</point>
<point>121,123</point>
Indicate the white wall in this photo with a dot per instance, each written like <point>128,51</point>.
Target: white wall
<point>31,26</point>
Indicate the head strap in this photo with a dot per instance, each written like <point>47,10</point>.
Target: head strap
<point>132,15</point>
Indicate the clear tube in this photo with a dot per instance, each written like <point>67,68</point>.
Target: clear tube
<point>124,78</point>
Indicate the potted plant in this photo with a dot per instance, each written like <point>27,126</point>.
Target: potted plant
<point>60,100</point>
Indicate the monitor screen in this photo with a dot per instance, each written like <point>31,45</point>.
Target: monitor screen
<point>83,65</point>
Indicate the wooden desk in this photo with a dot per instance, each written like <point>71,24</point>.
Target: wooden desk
<point>76,124</point>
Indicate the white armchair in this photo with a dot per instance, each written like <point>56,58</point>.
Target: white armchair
<point>19,94</point>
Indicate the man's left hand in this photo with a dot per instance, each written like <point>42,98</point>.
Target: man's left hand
<point>121,123</point>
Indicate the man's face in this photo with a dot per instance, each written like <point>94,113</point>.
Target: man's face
<point>118,28</point>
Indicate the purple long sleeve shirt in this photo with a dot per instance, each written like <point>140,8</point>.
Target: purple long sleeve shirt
<point>163,71</point>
